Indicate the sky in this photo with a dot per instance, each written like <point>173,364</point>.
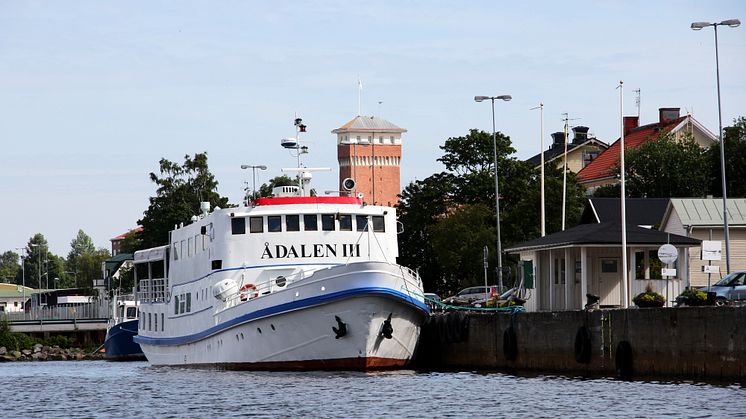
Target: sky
<point>93,94</point>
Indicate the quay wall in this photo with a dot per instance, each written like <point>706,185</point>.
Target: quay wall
<point>698,343</point>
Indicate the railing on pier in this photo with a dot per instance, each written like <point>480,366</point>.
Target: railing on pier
<point>82,311</point>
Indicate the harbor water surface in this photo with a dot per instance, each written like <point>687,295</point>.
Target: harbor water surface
<point>135,389</point>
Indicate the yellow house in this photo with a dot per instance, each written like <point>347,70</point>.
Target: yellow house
<point>581,150</point>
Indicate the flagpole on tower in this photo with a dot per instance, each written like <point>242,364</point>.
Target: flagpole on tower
<point>359,96</point>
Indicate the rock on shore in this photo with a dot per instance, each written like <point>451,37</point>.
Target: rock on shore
<point>47,353</point>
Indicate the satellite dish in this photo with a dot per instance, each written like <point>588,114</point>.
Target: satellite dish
<point>348,184</point>
<point>289,142</point>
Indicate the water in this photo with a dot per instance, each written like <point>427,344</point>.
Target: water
<point>135,389</point>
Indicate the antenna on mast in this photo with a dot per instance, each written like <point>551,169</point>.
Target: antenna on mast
<point>564,169</point>
<point>359,95</point>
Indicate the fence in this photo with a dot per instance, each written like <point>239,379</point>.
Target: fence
<point>61,312</point>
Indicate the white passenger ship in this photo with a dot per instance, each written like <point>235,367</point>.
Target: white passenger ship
<point>290,282</point>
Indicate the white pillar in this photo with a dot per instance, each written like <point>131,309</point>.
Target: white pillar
<point>551,280</point>
<point>569,278</point>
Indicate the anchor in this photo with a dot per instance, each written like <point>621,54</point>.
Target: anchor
<point>387,330</point>
<point>341,330</point>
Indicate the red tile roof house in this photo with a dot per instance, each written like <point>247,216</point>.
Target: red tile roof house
<point>601,171</point>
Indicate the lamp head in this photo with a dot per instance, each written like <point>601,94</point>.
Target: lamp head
<point>699,25</point>
<point>262,167</point>
<point>733,23</point>
<point>244,166</point>
<point>480,98</point>
<point>504,97</point>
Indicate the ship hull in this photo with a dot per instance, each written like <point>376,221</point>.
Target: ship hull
<point>119,344</point>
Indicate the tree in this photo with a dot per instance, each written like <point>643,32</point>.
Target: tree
<point>181,188</point>
<point>41,266</point>
<point>10,269</point>
<point>80,245</point>
<point>89,267</point>
<point>735,161</point>
<point>667,168</point>
<point>421,205</point>
<point>438,211</point>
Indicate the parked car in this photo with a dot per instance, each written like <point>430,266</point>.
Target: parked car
<point>468,295</point>
<point>731,288</point>
<point>432,300</point>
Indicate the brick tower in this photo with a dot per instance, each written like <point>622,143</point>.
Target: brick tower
<point>369,152</point>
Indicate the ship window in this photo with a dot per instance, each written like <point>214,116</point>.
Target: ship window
<point>256,224</point>
<point>141,271</point>
<point>176,251</point>
<point>310,222</point>
<point>182,304</point>
<point>150,321</point>
<point>176,304</point>
<point>238,225</point>
<point>327,222</point>
<point>274,223</point>
<point>345,222</point>
<point>162,325</point>
<point>196,243</point>
<point>156,269</point>
<point>362,221</point>
<point>190,245</point>
<point>155,322</point>
<point>292,223</point>
<point>217,264</point>
<point>189,302</point>
<point>378,224</point>
<point>131,313</point>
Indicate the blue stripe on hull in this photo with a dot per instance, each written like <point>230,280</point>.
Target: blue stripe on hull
<point>280,308</point>
<point>119,343</point>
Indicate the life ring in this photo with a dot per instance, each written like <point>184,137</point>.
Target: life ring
<point>248,291</point>
<point>583,345</point>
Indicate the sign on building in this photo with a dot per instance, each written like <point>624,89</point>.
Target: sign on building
<point>711,250</point>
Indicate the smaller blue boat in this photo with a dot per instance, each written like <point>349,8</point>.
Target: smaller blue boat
<point>119,344</point>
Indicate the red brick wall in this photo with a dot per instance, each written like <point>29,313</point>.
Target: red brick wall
<point>387,177</point>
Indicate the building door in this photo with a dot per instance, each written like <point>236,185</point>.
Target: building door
<point>609,277</point>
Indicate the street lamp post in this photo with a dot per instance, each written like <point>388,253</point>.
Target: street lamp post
<point>23,273</point>
<point>497,188</point>
<point>733,23</point>
<point>253,176</point>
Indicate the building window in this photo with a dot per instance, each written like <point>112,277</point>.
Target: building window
<point>648,266</point>
<point>378,225</point>
<point>274,223</point>
<point>345,222</point>
<point>256,224</point>
<point>238,225</point>
<point>310,222</point>
<point>292,223</point>
<point>588,157</point>
<point>327,222</point>
<point>609,266</point>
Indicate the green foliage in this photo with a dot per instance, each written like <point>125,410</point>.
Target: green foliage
<point>10,268</point>
<point>693,297</point>
<point>649,298</point>
<point>63,342</point>
<point>181,188</point>
<point>14,341</point>
<point>667,168</point>
<point>735,161</point>
<point>450,216</point>
<point>89,267</point>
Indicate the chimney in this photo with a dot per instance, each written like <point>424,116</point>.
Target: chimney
<point>630,123</point>
<point>580,134</point>
<point>559,139</point>
<point>668,114</point>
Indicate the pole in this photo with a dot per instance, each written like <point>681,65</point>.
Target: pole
<point>564,178</point>
<point>722,159</point>
<point>497,202</point>
<point>541,139</point>
<point>253,183</point>
<point>625,302</point>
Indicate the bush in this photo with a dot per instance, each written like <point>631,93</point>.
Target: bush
<point>63,342</point>
<point>14,341</point>
<point>693,297</point>
<point>649,298</point>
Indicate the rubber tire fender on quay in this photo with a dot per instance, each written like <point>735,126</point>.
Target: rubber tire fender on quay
<point>583,345</point>
<point>510,344</point>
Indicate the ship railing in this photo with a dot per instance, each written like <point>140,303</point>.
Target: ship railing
<point>153,290</point>
<point>412,281</point>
